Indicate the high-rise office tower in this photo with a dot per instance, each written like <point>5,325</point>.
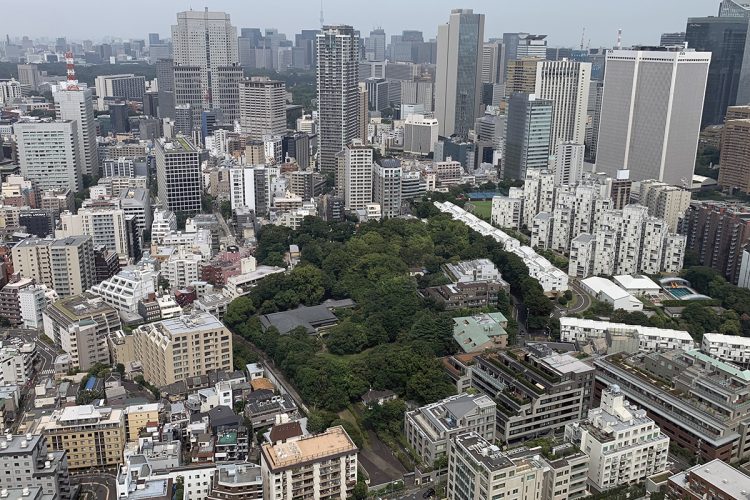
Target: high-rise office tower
<point>226,93</point>
<point>522,45</point>
<point>492,62</point>
<point>29,76</point>
<point>520,75</point>
<point>105,225</point>
<point>338,93</point>
<point>126,87</point>
<point>377,93</point>
<point>593,110</point>
<point>187,92</point>
<point>566,84</point>
<point>248,187</point>
<point>262,107</point>
<point>651,114</point>
<point>726,39</point>
<point>458,81</point>
<point>49,154</point>
<point>165,79</point>
<point>527,136</point>
<point>208,41</point>
<point>357,178</point>
<point>386,186</point>
<point>672,39</point>
<point>78,105</point>
<point>375,45</point>
<point>178,173</point>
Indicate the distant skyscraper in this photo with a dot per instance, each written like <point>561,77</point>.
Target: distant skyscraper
<point>520,76</point>
<point>338,94</point>
<point>357,178</point>
<point>375,46</point>
<point>178,173</point>
<point>386,186</point>
<point>725,38</point>
<point>77,105</point>
<point>208,41</point>
<point>734,8</point>
<point>568,165</point>
<point>458,82</point>
<point>651,112</point>
<point>492,62</point>
<point>527,136</point>
<point>262,107</point>
<point>48,154</point>
<point>734,172</point>
<point>672,39</point>
<point>29,76</point>
<point>165,79</point>
<point>566,84</point>
<point>594,111</point>
<point>521,45</point>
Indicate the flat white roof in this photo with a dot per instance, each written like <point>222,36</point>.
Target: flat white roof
<point>719,338</point>
<point>637,282</point>
<point>603,285</point>
<point>648,331</point>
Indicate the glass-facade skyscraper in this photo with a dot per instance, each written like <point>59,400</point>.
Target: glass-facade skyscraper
<point>726,39</point>
<point>458,83</point>
<point>528,133</point>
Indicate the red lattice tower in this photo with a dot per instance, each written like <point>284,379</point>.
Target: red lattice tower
<point>70,68</point>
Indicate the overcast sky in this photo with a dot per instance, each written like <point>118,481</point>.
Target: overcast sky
<point>642,21</point>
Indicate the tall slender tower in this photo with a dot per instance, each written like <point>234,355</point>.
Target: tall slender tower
<point>566,84</point>
<point>207,41</point>
<point>338,93</point>
<point>77,105</point>
<point>458,83</point>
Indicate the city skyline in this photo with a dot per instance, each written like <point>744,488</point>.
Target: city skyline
<point>563,23</point>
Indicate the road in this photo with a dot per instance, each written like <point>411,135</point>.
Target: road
<point>268,364</point>
<point>418,494</point>
<point>581,298</point>
<point>228,233</point>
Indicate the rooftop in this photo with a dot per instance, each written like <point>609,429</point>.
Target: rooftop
<point>637,282</point>
<point>472,332</point>
<point>311,318</point>
<point>331,443</point>
<point>187,324</point>
<point>485,454</point>
<point>82,306</point>
<point>237,474</point>
<point>720,475</point>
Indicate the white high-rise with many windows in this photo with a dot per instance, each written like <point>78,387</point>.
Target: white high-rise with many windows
<point>78,105</point>
<point>357,179</point>
<point>49,154</point>
<point>206,41</point>
<point>566,84</point>
<point>178,173</point>
<point>262,107</point>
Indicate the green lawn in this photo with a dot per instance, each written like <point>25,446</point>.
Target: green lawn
<point>482,209</point>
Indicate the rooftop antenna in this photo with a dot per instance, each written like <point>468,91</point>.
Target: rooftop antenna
<point>322,22</point>
<point>619,38</point>
<point>583,35</point>
<point>70,69</point>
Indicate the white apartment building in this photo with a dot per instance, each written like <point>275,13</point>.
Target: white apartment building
<point>137,202</point>
<point>17,364</point>
<point>249,187</point>
<point>165,222</point>
<point>105,225</point>
<point>538,194</point>
<point>581,258</point>
<point>33,301</point>
<point>49,154</point>
<point>507,210</point>
<point>541,230</point>
<point>10,90</point>
<point>732,348</point>
<point>649,338</point>
<point>77,105</point>
<point>182,268</point>
<point>568,164</point>
<point>324,465</point>
<point>551,279</point>
<point>125,289</point>
<point>386,186</point>
<point>177,348</point>
<point>65,265</point>
<point>429,428</point>
<point>420,135</point>
<point>357,175</point>
<point>623,444</point>
<point>664,201</point>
